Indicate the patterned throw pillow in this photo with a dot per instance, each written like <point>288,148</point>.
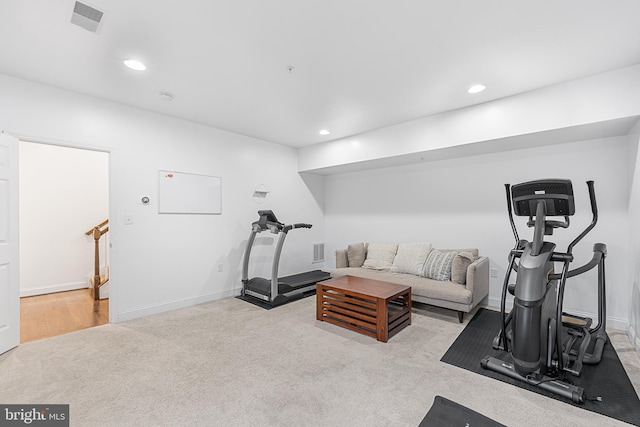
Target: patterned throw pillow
<point>438,265</point>
<point>380,256</point>
<point>411,258</point>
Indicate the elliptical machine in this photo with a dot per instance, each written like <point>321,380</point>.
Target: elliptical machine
<point>544,343</point>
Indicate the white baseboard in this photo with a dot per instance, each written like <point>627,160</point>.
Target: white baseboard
<point>172,305</point>
<point>612,322</point>
<point>50,289</point>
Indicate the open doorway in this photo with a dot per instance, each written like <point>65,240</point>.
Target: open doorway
<point>63,193</point>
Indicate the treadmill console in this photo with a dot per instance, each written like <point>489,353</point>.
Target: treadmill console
<point>267,215</point>
<point>268,221</point>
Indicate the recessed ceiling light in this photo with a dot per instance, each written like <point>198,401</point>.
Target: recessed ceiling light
<point>135,64</point>
<point>324,132</point>
<point>476,88</point>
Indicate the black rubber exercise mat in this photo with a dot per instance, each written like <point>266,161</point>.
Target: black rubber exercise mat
<point>447,413</point>
<point>607,379</point>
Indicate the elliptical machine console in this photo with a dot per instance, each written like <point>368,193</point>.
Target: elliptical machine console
<point>541,342</point>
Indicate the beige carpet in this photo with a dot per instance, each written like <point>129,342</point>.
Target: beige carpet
<point>229,363</point>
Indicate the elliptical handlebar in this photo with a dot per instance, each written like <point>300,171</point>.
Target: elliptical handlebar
<point>599,252</point>
<point>507,188</point>
<point>592,197</point>
<point>594,211</point>
<point>552,223</point>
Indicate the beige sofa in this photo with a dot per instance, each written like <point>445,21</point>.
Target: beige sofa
<point>465,285</point>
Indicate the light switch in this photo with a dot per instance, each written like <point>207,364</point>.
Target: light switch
<point>128,220</point>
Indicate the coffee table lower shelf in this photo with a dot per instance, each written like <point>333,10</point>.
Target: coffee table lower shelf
<point>374,308</point>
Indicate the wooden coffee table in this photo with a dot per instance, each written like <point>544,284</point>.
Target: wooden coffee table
<point>371,307</point>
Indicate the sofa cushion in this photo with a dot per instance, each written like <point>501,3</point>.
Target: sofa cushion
<point>410,258</point>
<point>420,286</point>
<point>438,265</point>
<point>356,253</point>
<point>459,267</point>
<point>380,256</point>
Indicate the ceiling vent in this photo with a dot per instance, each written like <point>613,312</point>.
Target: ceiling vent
<point>86,17</point>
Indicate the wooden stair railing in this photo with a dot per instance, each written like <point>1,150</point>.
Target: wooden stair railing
<point>97,280</point>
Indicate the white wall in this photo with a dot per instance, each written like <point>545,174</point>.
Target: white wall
<point>461,203</point>
<point>162,262</point>
<point>634,240</point>
<point>63,193</point>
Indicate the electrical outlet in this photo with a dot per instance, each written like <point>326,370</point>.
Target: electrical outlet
<point>494,272</point>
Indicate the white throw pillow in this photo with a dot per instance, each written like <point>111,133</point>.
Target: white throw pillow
<point>411,258</point>
<point>380,256</point>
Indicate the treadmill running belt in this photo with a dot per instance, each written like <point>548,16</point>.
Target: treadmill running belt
<point>301,279</point>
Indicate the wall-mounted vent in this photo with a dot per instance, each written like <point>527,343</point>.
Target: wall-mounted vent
<point>318,252</point>
<point>86,17</point>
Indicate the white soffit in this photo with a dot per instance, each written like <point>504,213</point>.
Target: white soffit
<point>591,131</point>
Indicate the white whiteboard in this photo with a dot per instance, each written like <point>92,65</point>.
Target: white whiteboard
<point>188,193</point>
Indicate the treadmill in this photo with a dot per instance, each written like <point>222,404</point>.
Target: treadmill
<point>269,293</point>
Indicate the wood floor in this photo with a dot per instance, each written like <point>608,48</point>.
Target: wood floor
<point>45,316</point>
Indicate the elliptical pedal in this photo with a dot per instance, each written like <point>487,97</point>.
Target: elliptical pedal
<point>576,322</point>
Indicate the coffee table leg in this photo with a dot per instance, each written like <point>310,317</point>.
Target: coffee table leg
<point>319,302</point>
<point>382,320</point>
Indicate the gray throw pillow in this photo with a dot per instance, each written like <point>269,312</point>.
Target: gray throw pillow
<point>459,267</point>
<point>356,253</point>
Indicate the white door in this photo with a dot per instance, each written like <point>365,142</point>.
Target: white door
<point>9,267</point>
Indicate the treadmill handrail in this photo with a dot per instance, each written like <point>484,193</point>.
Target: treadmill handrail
<point>290,227</point>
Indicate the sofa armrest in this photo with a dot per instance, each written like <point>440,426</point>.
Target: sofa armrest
<point>342,258</point>
<point>478,279</point>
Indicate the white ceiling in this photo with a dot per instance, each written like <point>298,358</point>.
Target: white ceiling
<point>359,64</point>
